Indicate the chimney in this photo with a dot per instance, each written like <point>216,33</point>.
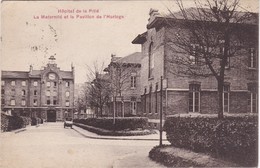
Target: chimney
<point>113,57</point>
<point>153,14</point>
<point>31,69</point>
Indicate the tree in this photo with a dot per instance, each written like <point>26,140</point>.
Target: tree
<point>97,89</point>
<point>206,37</point>
<point>80,98</point>
<point>120,73</point>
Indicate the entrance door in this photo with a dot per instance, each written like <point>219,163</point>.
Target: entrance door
<point>51,116</point>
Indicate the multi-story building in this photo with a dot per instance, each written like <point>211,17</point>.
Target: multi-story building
<point>182,94</point>
<point>125,82</point>
<point>46,93</point>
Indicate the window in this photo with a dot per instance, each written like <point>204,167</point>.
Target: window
<point>221,50</point>
<point>48,102</point>
<point>23,83</point>
<point>35,92</point>
<point>150,100</point>
<point>252,58</point>
<point>133,105</point>
<point>35,102</point>
<point>54,102</point>
<point>23,102</point>
<point>194,98</point>
<point>67,84</point>
<point>252,98</point>
<point>12,102</point>
<point>150,61</point>
<point>35,83</point>
<point>144,105</point>
<point>2,101</point>
<point>54,93</point>
<point>194,54</point>
<point>48,84</point>
<point>48,93</point>
<point>133,80</point>
<point>13,92</point>
<point>67,103</point>
<point>2,82</point>
<point>67,94</point>
<point>23,92</point>
<point>156,98</point>
<point>13,83</point>
<point>54,84</point>
<point>2,91</point>
<point>226,90</point>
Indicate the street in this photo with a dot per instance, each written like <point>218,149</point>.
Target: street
<point>50,145</point>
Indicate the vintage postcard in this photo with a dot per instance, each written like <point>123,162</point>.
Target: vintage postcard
<point>88,84</point>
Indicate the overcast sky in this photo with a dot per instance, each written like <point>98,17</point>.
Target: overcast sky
<point>27,40</point>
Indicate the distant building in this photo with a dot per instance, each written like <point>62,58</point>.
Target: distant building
<point>124,73</point>
<point>194,94</point>
<point>47,93</point>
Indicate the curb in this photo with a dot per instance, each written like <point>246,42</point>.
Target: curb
<point>109,138</point>
<point>22,129</point>
<point>19,130</point>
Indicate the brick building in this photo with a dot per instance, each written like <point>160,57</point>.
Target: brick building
<point>193,94</point>
<point>46,93</point>
<point>124,73</point>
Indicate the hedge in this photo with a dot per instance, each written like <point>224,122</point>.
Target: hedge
<point>128,123</point>
<point>234,137</point>
<point>176,157</point>
<point>9,123</point>
<point>106,132</point>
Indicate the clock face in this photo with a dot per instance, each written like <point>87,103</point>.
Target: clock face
<point>52,76</point>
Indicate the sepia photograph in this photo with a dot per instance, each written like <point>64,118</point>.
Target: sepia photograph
<point>129,84</point>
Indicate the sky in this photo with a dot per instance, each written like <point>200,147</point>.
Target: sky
<point>32,31</point>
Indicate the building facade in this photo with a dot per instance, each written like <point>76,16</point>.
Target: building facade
<point>124,73</point>
<point>46,93</point>
<point>193,94</point>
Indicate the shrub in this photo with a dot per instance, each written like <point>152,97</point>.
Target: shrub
<point>128,123</point>
<point>9,123</point>
<point>106,132</point>
<point>234,137</point>
<point>4,122</point>
<point>36,121</point>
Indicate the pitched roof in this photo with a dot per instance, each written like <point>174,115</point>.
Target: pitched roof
<point>193,13</point>
<point>134,58</point>
<point>34,74</point>
<point>15,74</point>
<point>140,39</point>
<point>66,74</point>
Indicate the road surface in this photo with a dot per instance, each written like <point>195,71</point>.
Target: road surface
<point>52,146</point>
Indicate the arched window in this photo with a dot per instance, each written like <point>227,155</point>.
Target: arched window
<point>150,61</point>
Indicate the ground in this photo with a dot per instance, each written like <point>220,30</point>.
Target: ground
<point>50,145</point>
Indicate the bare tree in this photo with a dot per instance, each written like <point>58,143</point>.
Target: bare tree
<point>97,89</point>
<point>120,73</point>
<point>207,36</point>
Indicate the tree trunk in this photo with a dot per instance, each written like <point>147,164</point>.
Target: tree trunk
<point>220,99</point>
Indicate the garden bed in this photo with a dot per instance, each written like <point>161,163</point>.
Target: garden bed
<point>176,157</point>
<point>101,131</point>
